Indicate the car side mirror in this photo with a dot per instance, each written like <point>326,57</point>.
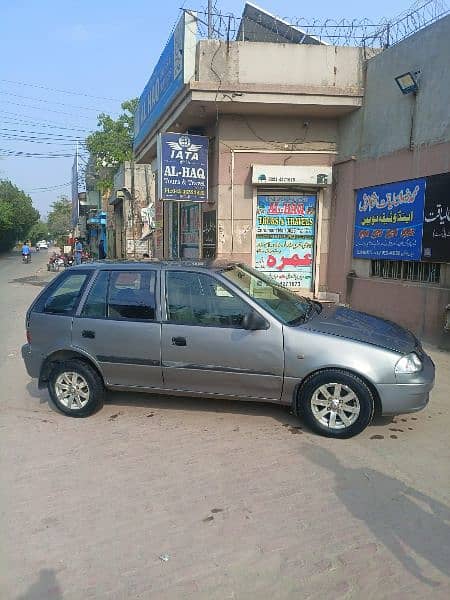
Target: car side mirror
<point>253,321</point>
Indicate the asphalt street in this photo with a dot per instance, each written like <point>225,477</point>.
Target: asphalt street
<point>171,498</point>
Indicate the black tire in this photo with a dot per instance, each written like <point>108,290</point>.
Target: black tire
<point>92,380</point>
<point>310,398</point>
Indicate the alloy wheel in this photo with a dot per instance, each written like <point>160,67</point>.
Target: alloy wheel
<point>72,390</point>
<point>335,405</point>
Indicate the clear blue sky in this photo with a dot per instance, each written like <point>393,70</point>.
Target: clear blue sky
<point>104,48</point>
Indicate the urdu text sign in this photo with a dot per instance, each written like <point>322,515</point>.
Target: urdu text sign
<point>389,221</point>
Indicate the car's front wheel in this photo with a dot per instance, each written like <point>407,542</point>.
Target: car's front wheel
<point>76,388</point>
<point>336,403</point>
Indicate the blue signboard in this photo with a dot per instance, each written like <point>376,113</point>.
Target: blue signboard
<point>183,167</point>
<point>170,74</point>
<point>389,221</point>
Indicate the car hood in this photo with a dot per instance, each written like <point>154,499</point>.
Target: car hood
<point>355,325</point>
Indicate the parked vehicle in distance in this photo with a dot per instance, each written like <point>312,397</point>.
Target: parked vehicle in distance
<point>42,245</point>
<point>218,330</point>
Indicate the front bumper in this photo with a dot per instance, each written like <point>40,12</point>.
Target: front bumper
<point>32,360</point>
<point>403,397</point>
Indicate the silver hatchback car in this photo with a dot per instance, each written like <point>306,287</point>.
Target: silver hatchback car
<point>218,330</point>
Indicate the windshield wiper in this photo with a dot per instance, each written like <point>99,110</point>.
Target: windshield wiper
<point>319,306</point>
<point>305,316</point>
<point>297,321</point>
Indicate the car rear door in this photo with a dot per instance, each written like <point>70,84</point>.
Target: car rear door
<point>119,326</point>
<point>204,347</point>
<point>49,320</point>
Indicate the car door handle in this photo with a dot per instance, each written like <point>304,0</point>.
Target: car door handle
<point>179,341</point>
<point>87,333</point>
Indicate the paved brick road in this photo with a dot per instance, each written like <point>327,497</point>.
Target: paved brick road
<point>245,503</point>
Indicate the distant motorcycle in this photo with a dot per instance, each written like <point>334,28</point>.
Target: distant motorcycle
<point>26,258</point>
<point>55,262</point>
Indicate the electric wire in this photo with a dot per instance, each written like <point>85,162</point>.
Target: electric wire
<point>51,89</point>
<point>46,109</point>
<point>52,102</point>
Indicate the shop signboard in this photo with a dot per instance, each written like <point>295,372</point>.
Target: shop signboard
<point>389,221</point>
<point>285,233</point>
<point>175,67</point>
<point>436,221</point>
<point>312,176</point>
<point>183,167</point>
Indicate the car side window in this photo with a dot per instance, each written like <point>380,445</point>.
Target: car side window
<point>63,299</point>
<point>131,295</point>
<point>199,299</point>
<point>95,304</point>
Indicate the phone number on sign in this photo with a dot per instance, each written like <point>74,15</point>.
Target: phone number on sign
<point>184,192</point>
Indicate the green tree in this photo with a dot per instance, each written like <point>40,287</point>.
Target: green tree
<point>112,144</point>
<point>17,214</point>
<point>39,231</point>
<point>59,220</point>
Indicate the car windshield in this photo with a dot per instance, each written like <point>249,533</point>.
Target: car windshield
<point>283,304</point>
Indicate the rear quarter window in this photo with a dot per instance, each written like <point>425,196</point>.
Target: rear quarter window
<point>62,297</point>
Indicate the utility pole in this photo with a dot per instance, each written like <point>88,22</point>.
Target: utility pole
<point>210,19</point>
<point>133,206</point>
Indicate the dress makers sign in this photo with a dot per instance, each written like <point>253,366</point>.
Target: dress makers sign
<point>389,221</point>
<point>405,220</point>
<point>183,167</point>
<point>317,176</point>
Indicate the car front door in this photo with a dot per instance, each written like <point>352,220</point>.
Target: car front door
<point>119,326</point>
<point>205,348</point>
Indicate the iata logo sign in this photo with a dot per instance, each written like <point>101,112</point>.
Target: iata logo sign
<point>184,150</point>
<point>183,167</point>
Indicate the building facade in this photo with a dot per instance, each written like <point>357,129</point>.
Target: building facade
<point>296,131</point>
<point>397,138</point>
<point>273,133</point>
<point>130,213</point>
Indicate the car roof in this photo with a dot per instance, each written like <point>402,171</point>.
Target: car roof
<point>108,264</point>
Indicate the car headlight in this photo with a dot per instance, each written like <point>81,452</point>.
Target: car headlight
<point>410,363</point>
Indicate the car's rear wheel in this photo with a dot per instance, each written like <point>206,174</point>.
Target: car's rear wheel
<point>76,388</point>
<point>336,403</point>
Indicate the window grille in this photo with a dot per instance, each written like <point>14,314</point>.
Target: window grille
<point>406,270</point>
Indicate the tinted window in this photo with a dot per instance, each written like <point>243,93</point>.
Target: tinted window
<point>95,305</point>
<point>198,299</point>
<point>63,298</point>
<point>131,295</point>
<point>281,302</point>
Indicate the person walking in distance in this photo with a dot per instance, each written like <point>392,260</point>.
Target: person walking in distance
<point>78,251</point>
<point>101,250</point>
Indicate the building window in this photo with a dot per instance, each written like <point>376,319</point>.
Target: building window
<point>407,270</point>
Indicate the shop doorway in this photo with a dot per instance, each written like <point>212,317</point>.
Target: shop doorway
<point>285,238</point>
<point>184,236</point>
